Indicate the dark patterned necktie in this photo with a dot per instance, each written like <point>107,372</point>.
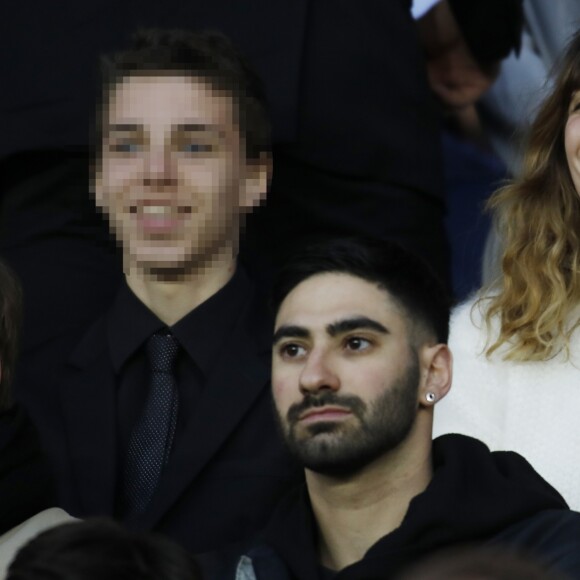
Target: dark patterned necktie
<point>151,439</point>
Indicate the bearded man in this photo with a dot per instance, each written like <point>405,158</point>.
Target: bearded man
<point>359,362</point>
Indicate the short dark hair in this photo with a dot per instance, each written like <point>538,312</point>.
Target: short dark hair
<point>405,276</point>
<point>101,549</point>
<point>10,320</point>
<point>205,55</point>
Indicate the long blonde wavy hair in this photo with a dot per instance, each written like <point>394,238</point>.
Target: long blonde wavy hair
<point>538,216</point>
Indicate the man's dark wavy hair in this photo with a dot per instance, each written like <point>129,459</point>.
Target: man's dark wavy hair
<point>405,276</point>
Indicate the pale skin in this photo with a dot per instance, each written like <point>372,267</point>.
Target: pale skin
<point>174,180</point>
<point>354,512</point>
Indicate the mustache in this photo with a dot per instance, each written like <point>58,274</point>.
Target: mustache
<point>355,405</point>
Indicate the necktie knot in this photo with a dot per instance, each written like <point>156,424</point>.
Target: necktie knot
<point>162,351</point>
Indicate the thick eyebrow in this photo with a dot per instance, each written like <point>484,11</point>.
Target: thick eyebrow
<point>198,128</point>
<point>289,331</point>
<point>356,323</point>
<point>123,128</point>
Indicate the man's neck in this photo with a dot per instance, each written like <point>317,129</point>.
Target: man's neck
<point>354,513</point>
<point>170,299</point>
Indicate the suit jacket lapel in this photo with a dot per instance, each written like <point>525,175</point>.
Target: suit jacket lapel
<point>241,375</point>
<point>88,403</point>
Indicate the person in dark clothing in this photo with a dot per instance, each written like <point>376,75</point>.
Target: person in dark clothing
<point>25,480</point>
<point>160,412</point>
<point>356,136</point>
<point>359,361</point>
<point>97,549</point>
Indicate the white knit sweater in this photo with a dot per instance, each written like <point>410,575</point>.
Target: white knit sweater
<point>532,407</point>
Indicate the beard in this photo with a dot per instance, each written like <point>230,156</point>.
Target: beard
<point>342,448</point>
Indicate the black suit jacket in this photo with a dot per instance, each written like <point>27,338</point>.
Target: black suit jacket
<point>26,485</point>
<point>224,475</point>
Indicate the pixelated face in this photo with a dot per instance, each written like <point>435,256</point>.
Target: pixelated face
<point>173,175</point>
<point>572,139</point>
<point>345,378</point>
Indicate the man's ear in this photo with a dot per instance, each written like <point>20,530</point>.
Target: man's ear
<point>437,365</point>
<point>256,181</point>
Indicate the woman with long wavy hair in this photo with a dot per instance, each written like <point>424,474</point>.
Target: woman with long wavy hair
<point>517,343</point>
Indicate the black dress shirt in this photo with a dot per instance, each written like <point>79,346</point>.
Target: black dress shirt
<point>200,335</point>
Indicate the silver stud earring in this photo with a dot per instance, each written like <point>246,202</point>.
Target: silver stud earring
<point>430,397</point>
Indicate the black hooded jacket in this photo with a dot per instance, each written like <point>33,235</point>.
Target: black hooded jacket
<point>475,496</point>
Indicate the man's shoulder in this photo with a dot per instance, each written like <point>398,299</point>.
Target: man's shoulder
<point>77,348</point>
<point>553,535</point>
<point>508,505</point>
<point>46,362</point>
<point>552,524</point>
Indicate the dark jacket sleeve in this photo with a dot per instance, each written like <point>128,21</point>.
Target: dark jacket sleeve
<point>551,536</point>
<point>26,486</point>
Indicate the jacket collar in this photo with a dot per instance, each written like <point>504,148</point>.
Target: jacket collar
<point>88,401</point>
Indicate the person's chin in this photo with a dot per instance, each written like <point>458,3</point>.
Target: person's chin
<point>170,261</point>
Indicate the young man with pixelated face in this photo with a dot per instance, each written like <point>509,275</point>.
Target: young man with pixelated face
<point>182,155</point>
<point>164,416</point>
<point>359,361</point>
